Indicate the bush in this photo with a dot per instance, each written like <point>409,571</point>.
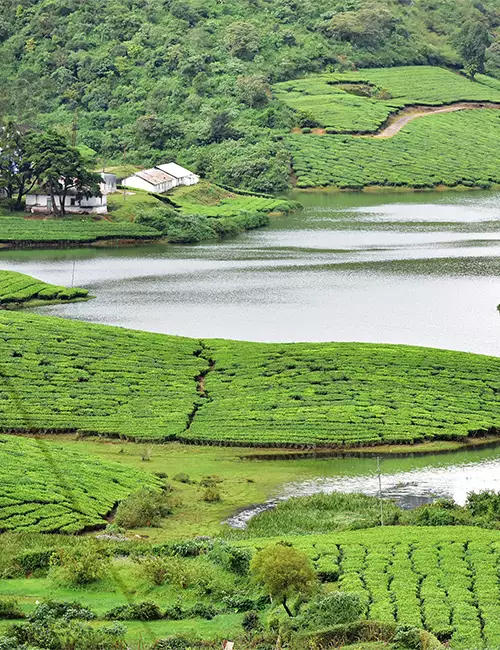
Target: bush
<point>336,608</point>
<point>174,642</point>
<point>10,609</point>
<point>145,611</point>
<point>232,558</point>
<point>34,561</point>
<point>202,610</point>
<point>182,478</point>
<point>154,568</point>
<point>53,610</point>
<point>251,622</point>
<point>210,481</point>
<point>147,507</point>
<point>79,565</point>
<point>407,638</point>
<point>211,495</point>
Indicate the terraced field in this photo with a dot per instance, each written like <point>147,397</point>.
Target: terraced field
<point>332,99</point>
<point>61,375</point>
<point>18,232</point>
<point>443,579</point>
<point>18,288</point>
<point>47,488</point>
<point>448,148</point>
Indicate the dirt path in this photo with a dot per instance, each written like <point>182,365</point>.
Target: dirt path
<point>400,119</point>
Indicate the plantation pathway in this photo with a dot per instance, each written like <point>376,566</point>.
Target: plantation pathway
<point>409,114</point>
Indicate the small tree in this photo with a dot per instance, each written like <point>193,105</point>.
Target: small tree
<point>283,571</point>
<point>472,41</point>
<point>61,170</point>
<point>17,176</point>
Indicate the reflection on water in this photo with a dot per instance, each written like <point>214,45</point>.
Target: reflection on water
<point>408,488</point>
<point>397,268</point>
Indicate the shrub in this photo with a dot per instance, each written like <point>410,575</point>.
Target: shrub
<point>9,608</point>
<point>211,495</point>
<point>53,610</point>
<point>147,507</point>
<point>232,558</point>
<point>210,481</point>
<point>182,478</point>
<point>337,608</point>
<point>154,568</point>
<point>79,565</point>
<point>174,642</point>
<point>407,638</point>
<point>251,621</point>
<point>145,611</point>
<point>202,610</point>
<point>34,561</point>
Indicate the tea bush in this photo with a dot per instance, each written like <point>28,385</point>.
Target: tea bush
<point>18,288</point>
<point>147,507</point>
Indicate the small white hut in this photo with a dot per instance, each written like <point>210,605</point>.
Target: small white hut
<point>152,180</point>
<point>182,176</point>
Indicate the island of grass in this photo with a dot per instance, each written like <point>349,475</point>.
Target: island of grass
<point>348,109</point>
<point>93,379</point>
<point>20,290</point>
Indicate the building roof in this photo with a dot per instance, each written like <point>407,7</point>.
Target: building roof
<point>174,170</point>
<point>155,176</point>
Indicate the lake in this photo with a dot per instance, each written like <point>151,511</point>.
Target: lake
<point>416,268</point>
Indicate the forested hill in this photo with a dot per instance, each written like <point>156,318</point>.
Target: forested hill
<point>190,79</point>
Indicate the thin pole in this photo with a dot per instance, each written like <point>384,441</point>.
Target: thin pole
<point>73,274</point>
<point>380,492</point>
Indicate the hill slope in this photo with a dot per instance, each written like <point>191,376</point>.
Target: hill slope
<point>61,375</point>
<point>190,79</point>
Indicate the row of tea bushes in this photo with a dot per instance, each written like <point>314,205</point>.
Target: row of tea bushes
<point>446,580</point>
<point>61,375</point>
<point>19,232</point>
<point>80,377</point>
<point>384,91</point>
<point>19,288</point>
<point>417,156</point>
<point>46,488</point>
<point>322,394</point>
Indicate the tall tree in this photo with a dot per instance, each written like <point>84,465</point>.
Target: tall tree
<point>60,169</point>
<point>17,175</point>
<point>472,41</point>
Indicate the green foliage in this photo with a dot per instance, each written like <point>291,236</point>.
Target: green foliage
<point>9,609</point>
<point>145,611</point>
<point>68,490</point>
<point>78,565</point>
<point>212,495</point>
<point>19,232</point>
<point>335,608</point>
<point>19,288</point>
<point>283,571</point>
<point>146,507</point>
<point>56,610</point>
<point>472,41</point>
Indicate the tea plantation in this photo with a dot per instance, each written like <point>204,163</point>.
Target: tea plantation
<point>360,102</point>
<point>17,288</point>
<point>45,488</point>
<point>18,232</point>
<point>73,376</point>
<point>443,579</point>
<point>449,148</point>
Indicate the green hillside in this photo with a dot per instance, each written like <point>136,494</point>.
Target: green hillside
<point>78,377</point>
<point>142,82</point>
<point>63,490</point>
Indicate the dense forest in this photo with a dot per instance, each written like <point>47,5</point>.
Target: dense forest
<point>147,80</point>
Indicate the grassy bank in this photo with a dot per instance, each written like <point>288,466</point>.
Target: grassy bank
<point>20,290</point>
<point>236,393</point>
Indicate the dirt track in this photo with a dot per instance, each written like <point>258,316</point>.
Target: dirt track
<point>409,114</point>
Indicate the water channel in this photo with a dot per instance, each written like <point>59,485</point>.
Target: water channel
<point>414,268</point>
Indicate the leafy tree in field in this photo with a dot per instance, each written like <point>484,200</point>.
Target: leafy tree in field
<point>17,175</point>
<point>254,90</point>
<point>242,40</point>
<point>472,41</point>
<point>283,571</point>
<point>60,169</point>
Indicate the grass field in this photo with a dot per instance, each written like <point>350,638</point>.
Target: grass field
<point>330,98</point>
<point>78,377</point>
<point>442,579</point>
<point>418,156</point>
<point>210,200</point>
<point>20,289</point>
<point>19,232</point>
<point>56,489</point>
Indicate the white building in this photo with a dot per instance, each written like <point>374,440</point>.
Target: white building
<point>161,178</point>
<point>183,176</point>
<point>152,180</point>
<point>40,203</point>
